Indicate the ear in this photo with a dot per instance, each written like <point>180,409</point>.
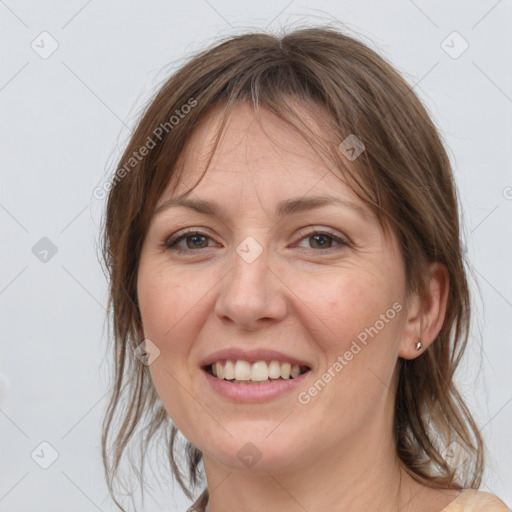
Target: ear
<point>425,312</point>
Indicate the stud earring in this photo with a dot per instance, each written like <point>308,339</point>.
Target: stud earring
<point>419,345</point>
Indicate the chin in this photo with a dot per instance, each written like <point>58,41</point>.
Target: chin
<point>258,453</point>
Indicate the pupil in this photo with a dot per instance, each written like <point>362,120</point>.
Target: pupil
<point>316,237</point>
<point>194,238</point>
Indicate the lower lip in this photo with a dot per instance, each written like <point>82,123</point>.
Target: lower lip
<point>254,392</point>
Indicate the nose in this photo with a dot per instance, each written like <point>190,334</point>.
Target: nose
<point>251,295</point>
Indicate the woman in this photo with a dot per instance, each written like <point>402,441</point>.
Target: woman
<point>288,287</point>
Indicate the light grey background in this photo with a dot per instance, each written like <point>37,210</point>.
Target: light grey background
<point>64,120</point>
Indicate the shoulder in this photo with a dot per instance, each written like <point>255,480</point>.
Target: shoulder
<point>471,500</point>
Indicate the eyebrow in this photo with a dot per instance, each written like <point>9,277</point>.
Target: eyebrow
<point>284,208</point>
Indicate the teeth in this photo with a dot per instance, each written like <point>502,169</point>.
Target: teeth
<point>295,371</point>
<point>242,370</point>
<point>257,372</point>
<point>229,370</point>
<point>274,370</point>
<point>219,370</point>
<point>285,370</point>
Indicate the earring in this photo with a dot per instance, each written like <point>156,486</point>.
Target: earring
<point>419,345</point>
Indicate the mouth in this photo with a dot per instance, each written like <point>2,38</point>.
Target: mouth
<point>260,372</point>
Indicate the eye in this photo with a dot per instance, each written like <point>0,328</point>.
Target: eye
<point>323,240</point>
<point>193,240</point>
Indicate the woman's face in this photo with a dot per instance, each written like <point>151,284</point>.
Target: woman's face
<point>291,262</point>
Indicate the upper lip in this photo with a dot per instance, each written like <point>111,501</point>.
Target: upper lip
<point>252,356</point>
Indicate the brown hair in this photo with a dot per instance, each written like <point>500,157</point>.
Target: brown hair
<point>404,175</point>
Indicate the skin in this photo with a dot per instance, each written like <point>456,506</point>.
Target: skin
<point>304,295</point>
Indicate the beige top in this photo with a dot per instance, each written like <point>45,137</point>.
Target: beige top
<point>469,500</point>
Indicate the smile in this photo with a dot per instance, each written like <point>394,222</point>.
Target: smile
<point>244,372</point>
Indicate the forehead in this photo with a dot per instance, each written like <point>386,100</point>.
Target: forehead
<point>257,150</point>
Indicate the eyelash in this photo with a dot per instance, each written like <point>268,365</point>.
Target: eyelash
<point>171,244</point>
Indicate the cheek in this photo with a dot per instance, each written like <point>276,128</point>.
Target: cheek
<point>173,306</point>
<point>355,320</point>
<point>167,306</point>
<point>341,305</point>
<point>164,300</point>
<point>153,302</point>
